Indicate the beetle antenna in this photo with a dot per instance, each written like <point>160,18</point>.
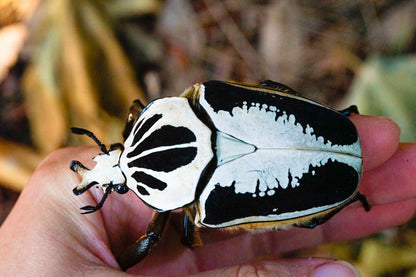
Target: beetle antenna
<point>91,209</point>
<point>81,131</point>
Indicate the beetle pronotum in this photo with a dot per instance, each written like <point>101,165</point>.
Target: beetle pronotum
<point>230,155</point>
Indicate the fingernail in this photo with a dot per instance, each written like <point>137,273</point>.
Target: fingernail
<point>335,268</point>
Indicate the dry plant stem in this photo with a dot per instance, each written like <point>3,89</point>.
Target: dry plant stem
<point>237,39</point>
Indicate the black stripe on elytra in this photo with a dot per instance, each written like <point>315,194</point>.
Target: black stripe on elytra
<point>165,136</point>
<point>167,160</point>
<point>149,180</point>
<point>138,124</point>
<point>322,185</point>
<point>145,127</point>
<point>330,124</point>
<point>142,190</point>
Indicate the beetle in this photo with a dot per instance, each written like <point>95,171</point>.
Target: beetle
<point>231,155</point>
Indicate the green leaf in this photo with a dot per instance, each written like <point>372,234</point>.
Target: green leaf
<point>387,86</point>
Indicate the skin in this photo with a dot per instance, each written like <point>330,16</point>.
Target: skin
<point>45,234</point>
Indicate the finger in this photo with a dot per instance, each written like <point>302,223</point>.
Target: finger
<point>46,212</point>
<point>394,180</point>
<point>294,267</point>
<point>379,139</point>
<point>349,224</point>
<point>390,189</point>
<point>355,222</point>
<point>124,218</point>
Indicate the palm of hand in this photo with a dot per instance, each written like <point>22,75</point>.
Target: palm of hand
<point>52,227</point>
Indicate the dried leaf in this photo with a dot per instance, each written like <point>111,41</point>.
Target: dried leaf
<point>118,66</point>
<point>377,258</point>
<point>395,30</point>
<point>74,78</point>
<point>11,40</point>
<point>125,8</point>
<point>283,53</point>
<point>45,111</point>
<point>17,163</point>
<point>12,11</point>
<point>44,104</point>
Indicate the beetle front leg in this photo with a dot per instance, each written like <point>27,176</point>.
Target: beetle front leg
<point>141,248</point>
<point>135,109</point>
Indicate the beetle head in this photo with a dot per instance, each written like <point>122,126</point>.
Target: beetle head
<point>106,173</point>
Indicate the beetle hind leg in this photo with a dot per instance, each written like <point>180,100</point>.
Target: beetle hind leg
<point>363,200</point>
<point>278,87</point>
<point>312,223</point>
<point>320,220</point>
<point>141,248</point>
<point>190,236</point>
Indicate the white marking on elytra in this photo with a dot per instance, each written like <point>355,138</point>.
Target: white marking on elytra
<point>283,147</point>
<point>275,130</point>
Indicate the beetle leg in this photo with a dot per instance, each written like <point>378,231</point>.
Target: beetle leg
<point>141,248</point>
<point>363,200</point>
<point>83,187</point>
<point>116,146</point>
<point>278,86</point>
<point>318,220</point>
<point>190,237</point>
<point>350,110</point>
<point>91,209</point>
<point>135,110</point>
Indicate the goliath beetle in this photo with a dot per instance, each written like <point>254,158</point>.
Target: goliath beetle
<point>230,155</point>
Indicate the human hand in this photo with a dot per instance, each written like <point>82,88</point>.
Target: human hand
<point>45,234</point>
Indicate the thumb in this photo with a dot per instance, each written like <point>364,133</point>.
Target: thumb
<point>311,267</point>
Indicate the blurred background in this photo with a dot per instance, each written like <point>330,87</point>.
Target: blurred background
<point>81,63</point>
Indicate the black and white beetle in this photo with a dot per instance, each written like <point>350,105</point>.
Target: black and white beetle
<point>231,156</point>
